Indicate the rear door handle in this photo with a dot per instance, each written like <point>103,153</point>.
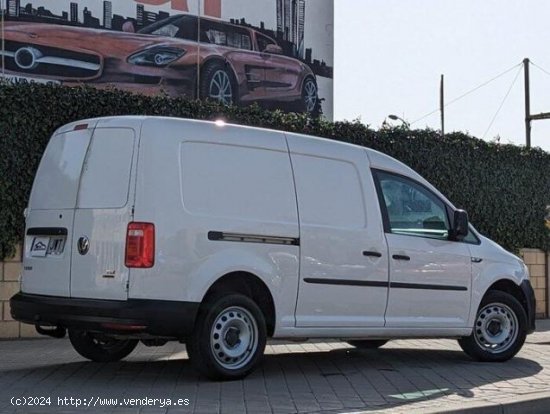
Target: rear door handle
<point>401,257</point>
<point>372,254</point>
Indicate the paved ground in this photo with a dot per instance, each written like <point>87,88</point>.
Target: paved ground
<point>331,377</point>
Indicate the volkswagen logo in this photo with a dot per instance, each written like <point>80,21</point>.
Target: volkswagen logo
<point>83,245</point>
<point>27,57</point>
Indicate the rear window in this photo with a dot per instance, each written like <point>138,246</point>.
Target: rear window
<point>106,174</point>
<point>56,182</point>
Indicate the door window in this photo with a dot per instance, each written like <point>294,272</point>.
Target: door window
<point>410,208</point>
<point>263,42</point>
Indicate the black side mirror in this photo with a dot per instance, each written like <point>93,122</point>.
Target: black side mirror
<point>460,225</point>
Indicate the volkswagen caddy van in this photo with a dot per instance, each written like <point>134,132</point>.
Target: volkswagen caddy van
<point>221,236</point>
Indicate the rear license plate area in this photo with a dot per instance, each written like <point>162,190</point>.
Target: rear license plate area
<point>43,246</point>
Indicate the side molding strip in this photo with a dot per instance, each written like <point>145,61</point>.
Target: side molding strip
<point>399,285</point>
<point>252,238</point>
<point>346,282</point>
<point>394,285</point>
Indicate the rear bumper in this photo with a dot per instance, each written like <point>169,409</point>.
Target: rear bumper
<point>530,305</point>
<point>134,316</point>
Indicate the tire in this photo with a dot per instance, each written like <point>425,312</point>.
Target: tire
<point>369,344</point>
<point>217,84</point>
<point>100,348</point>
<point>229,337</point>
<point>310,96</point>
<point>499,331</point>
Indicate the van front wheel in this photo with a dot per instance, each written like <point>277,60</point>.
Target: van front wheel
<point>100,348</point>
<point>499,331</point>
<point>229,337</point>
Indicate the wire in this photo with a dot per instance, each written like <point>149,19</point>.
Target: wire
<point>469,92</point>
<point>540,67</point>
<point>502,103</point>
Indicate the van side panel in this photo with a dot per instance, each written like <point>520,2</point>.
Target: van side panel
<point>222,200</point>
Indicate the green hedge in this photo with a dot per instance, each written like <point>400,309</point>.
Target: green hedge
<point>504,188</point>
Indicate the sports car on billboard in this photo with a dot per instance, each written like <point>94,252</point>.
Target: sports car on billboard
<point>238,65</point>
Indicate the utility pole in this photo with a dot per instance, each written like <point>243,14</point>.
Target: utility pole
<point>528,116</point>
<point>527,104</point>
<point>442,104</point>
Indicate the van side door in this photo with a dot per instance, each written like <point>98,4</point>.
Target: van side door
<point>343,252</point>
<point>430,275</point>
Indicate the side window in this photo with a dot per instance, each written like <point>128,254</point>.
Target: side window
<point>263,42</point>
<point>411,209</point>
<point>225,35</point>
<point>188,28</point>
<point>471,238</point>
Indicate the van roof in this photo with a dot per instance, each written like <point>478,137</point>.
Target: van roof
<point>131,120</point>
<point>376,158</point>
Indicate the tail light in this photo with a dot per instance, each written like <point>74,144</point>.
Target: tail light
<point>140,245</point>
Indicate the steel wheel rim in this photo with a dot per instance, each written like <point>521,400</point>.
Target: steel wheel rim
<point>234,337</point>
<point>496,328</point>
<point>310,95</point>
<point>220,88</point>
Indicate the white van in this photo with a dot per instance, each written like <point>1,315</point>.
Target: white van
<point>220,236</point>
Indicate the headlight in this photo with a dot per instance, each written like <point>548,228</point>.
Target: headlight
<point>159,56</point>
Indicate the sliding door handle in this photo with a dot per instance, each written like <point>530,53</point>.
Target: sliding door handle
<point>401,257</point>
<point>372,254</point>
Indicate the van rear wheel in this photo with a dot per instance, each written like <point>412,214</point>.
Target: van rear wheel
<point>229,337</point>
<point>369,343</point>
<point>499,331</point>
<point>100,348</point>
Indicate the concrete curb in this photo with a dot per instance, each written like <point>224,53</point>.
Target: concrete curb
<point>538,402</point>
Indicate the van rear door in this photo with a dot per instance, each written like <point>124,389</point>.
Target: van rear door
<point>49,222</point>
<point>103,210</point>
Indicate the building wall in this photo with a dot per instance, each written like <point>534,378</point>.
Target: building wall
<point>538,263</point>
<point>536,260</point>
<point>9,285</point>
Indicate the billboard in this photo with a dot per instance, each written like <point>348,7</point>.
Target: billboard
<point>277,53</point>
